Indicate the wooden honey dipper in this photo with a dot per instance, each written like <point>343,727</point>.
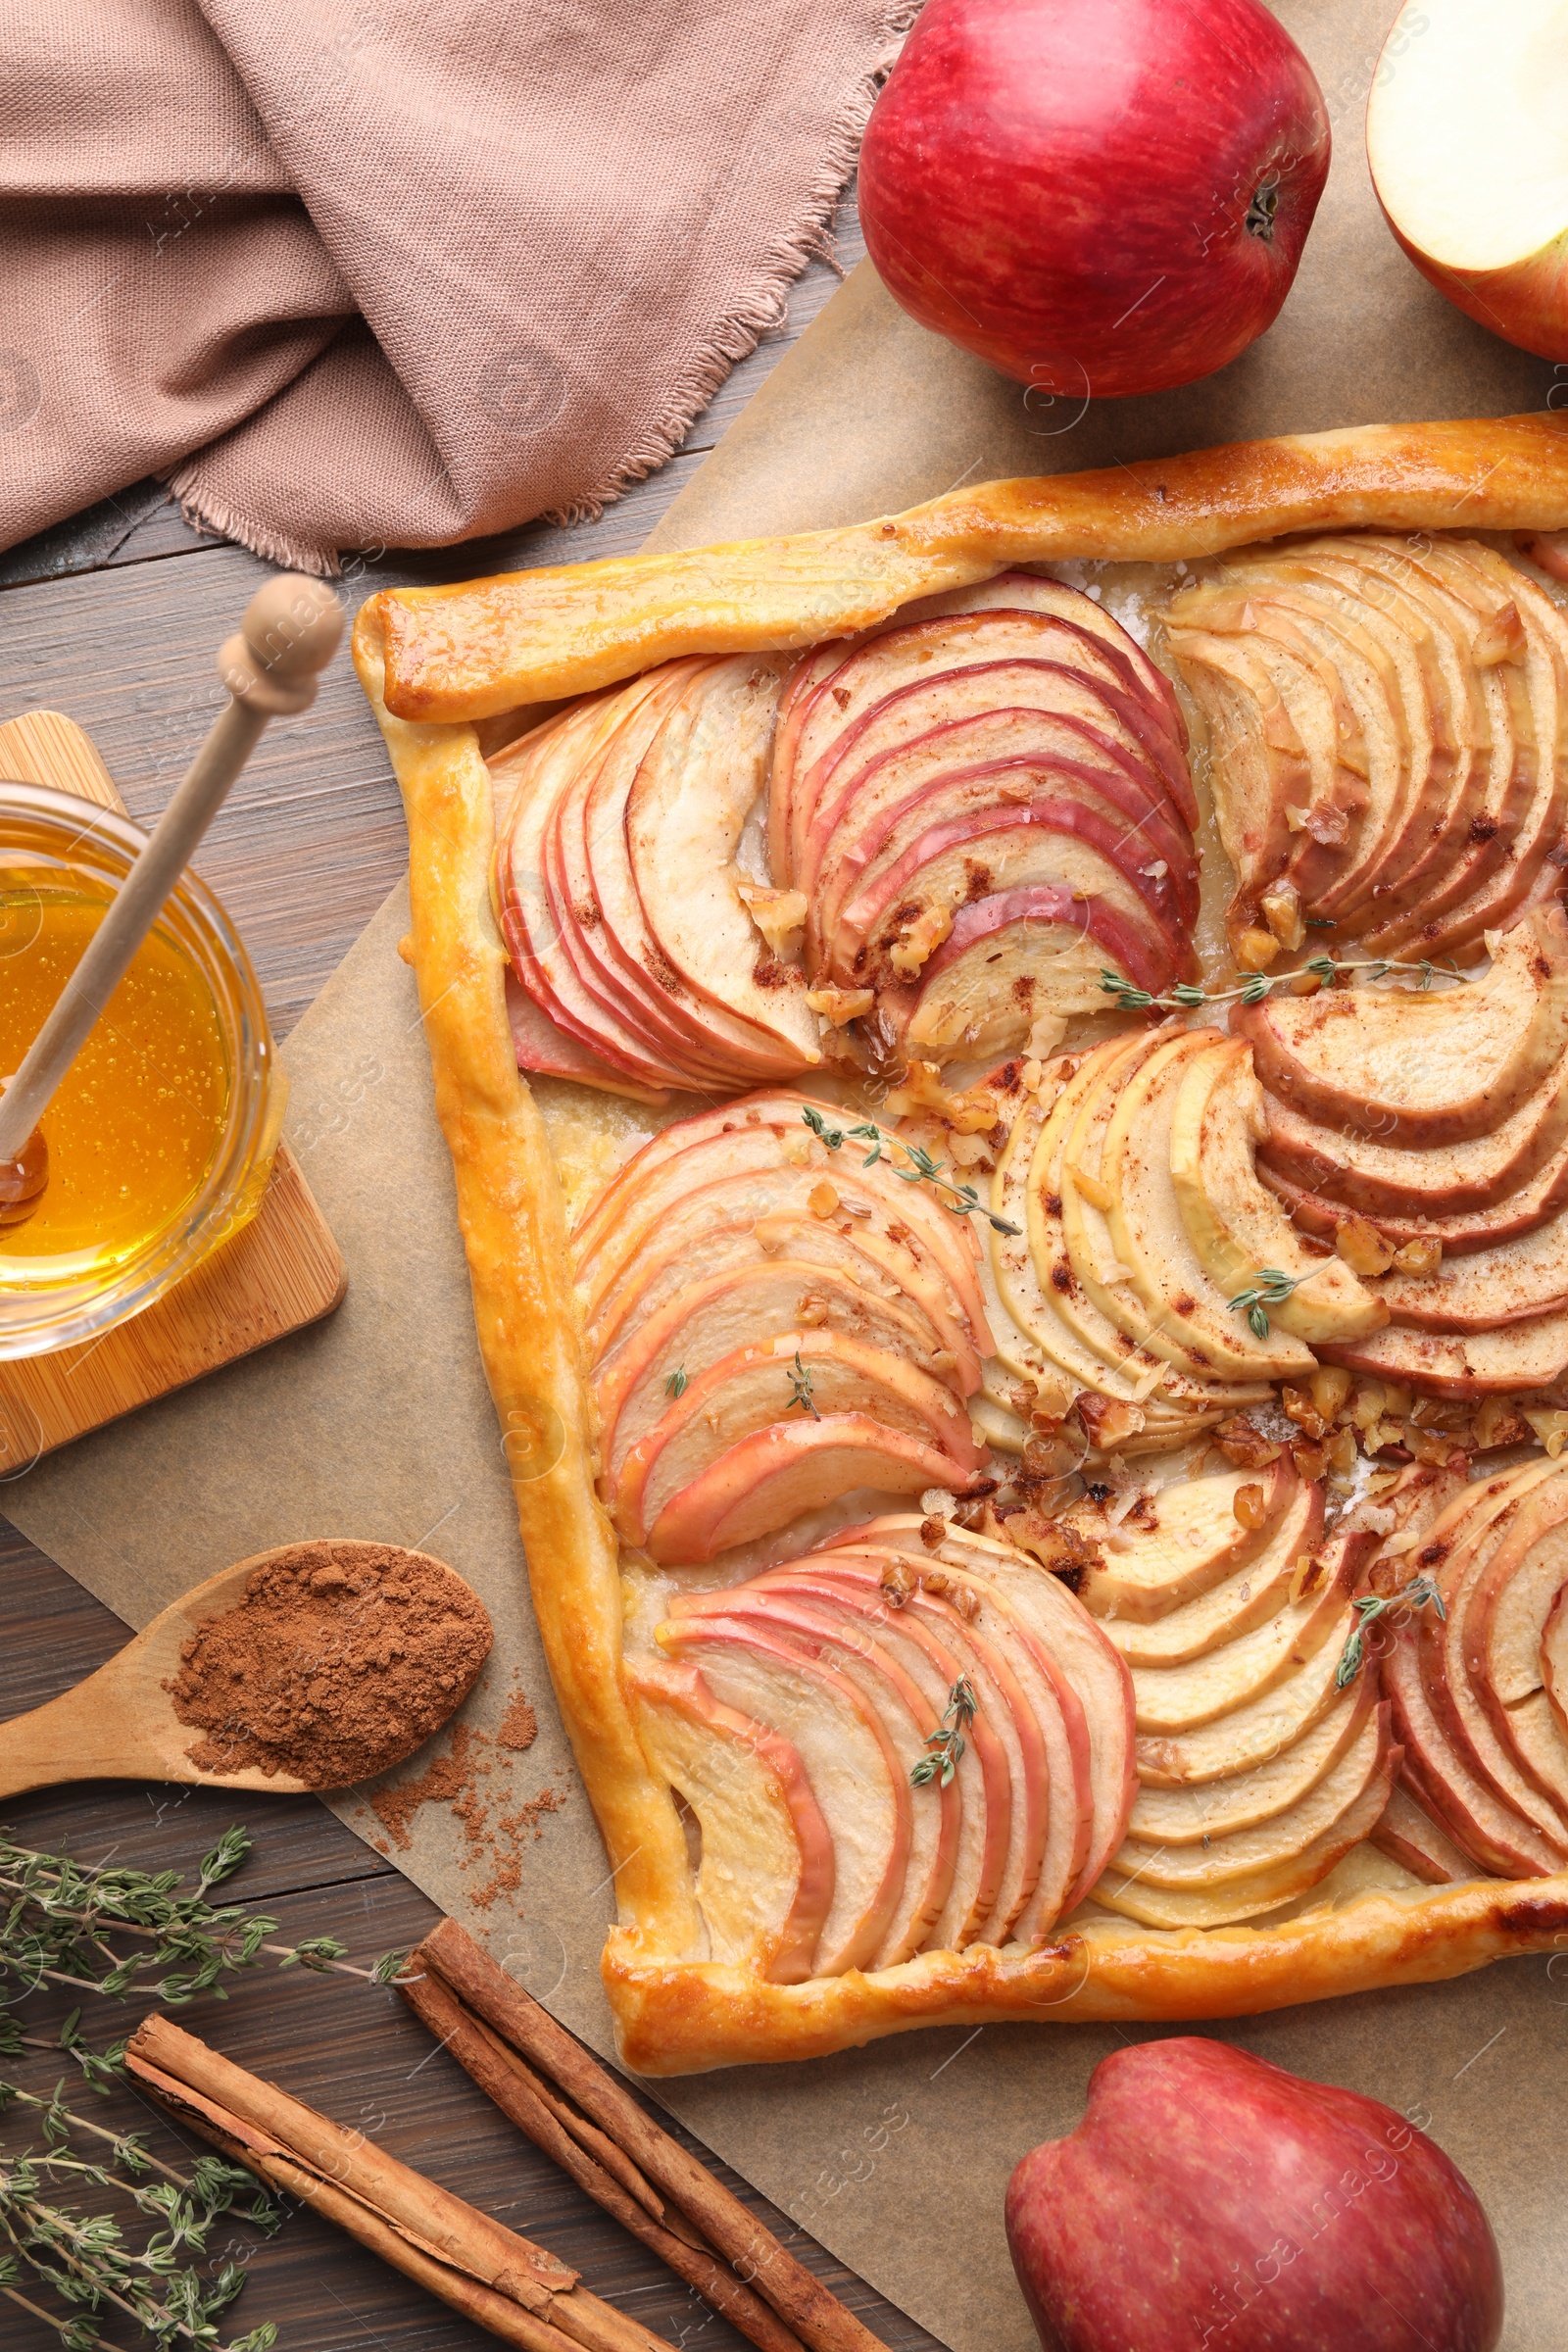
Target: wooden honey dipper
<point>289,634</point>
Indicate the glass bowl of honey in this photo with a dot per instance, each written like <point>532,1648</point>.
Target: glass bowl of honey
<point>162,1135</point>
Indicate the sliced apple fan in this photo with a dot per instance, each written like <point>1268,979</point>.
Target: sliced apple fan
<point>971,813</point>
<point>1386,718</point>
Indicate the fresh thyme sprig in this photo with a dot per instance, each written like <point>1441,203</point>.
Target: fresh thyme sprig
<point>677,1385</point>
<point>947,1744</point>
<point>801,1389</point>
<point>1186,997</point>
<point>965,1201</point>
<point>1419,1593</point>
<point>63,1921</point>
<point>1271,1289</point>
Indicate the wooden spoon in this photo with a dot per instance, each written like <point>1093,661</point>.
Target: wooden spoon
<point>120,1724</point>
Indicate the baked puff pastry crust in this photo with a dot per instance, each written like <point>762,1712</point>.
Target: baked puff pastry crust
<point>435,662</point>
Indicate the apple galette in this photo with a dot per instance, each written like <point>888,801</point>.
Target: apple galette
<point>1027,1295</point>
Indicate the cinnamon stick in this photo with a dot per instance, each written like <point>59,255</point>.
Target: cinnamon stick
<point>592,2159</point>
<point>818,2317</point>
<point>507,2284</point>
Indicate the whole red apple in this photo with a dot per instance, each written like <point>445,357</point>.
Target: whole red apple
<point>1209,2198</point>
<point>1096,196</point>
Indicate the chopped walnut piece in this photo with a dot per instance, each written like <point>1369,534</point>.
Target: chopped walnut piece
<point>1427,1445</point>
<point>1501,638</point>
<point>1280,904</point>
<point>811,1311</point>
<point>1256,951</point>
<point>899,1580</point>
<point>841,1004</point>
<point>933,1532</point>
<point>918,941</point>
<point>1242,1441</point>
<point>1311,1461</point>
<point>1045,1033</point>
<point>1362,1248</point>
<point>1310,1573</point>
<point>953,1590</point>
<point>1550,1425</point>
<point>1300,1409</point>
<point>777,913</point>
<point>1497,1423</point>
<point>1107,1421</point>
<point>922,1090</point>
<point>1340,1452</point>
<point>796,1146</point>
<point>1250,1506</point>
<point>1421,1257</point>
<point>1330,1385</point>
<point>1056,1543</point>
<point>822,1198</point>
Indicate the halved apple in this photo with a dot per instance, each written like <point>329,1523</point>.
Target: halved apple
<point>1463,139</point>
<point>1179,1543</point>
<point>1234,1223</point>
<point>765,1883</point>
<point>1190,1815</point>
<point>1423,1069</point>
<point>850,1762</point>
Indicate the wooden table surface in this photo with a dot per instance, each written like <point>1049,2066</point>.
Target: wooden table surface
<point>114,618</point>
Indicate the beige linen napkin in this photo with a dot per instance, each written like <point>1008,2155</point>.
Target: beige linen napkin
<point>371,272</point>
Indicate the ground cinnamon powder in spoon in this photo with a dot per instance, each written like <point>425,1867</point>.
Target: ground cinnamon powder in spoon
<point>338,1661</point>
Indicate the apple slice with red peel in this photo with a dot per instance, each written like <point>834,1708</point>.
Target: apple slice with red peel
<point>931,1651</point>
<point>765,1130</point>
<point>765,1884</point>
<point>1245,1739</point>
<point>1180,1699</point>
<point>849,1646</point>
<point>1266,1844</point>
<point>1003,1698</point>
<point>715,1319</point>
<point>1016,956</point>
<point>1513,1282</point>
<point>1235,1224</point>
<point>1070,1636</point>
<point>1049,843</point>
<point>1520,1212</point>
<point>1022,1693</point>
<point>764,1481</point>
<point>684,816</point>
<point>849,1760</point>
<point>1479,1364</point>
<point>1147,1234</point>
<point>1423,1070</point>
<point>1220,1808</point>
<point>546,1052</point>
<point>840,711</point>
<point>525,912</point>
<point>756,1220</point>
<point>1504,1609</point>
<point>1222,1614</point>
<point>1178,1543</point>
<point>1036,592</point>
<point>1417,1841</point>
<point>1265,1889</point>
<point>1499,1840</point>
<point>1004,725</point>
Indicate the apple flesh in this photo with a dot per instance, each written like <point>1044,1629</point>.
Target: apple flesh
<point>1465,142</point>
<point>1210,2197</point>
<point>1097,197</point>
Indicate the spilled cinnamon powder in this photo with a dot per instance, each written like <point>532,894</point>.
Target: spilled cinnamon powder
<point>473,1776</point>
<point>339,1661</point>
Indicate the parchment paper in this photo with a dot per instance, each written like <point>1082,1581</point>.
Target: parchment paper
<point>377,1423</point>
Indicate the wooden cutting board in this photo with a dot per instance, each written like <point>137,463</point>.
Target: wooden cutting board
<point>283,1271</point>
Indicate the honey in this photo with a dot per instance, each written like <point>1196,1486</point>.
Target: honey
<point>138,1119</point>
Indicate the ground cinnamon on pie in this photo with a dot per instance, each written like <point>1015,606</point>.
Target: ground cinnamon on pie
<point>339,1659</point>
